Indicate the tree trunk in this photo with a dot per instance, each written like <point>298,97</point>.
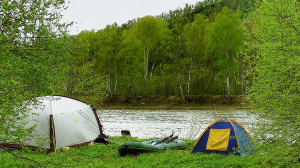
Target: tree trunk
<point>146,58</point>
<point>243,79</point>
<point>152,69</point>
<point>227,75</point>
<point>109,85</point>
<point>180,86</point>
<point>188,91</point>
<point>116,79</point>
<point>228,88</point>
<point>129,84</point>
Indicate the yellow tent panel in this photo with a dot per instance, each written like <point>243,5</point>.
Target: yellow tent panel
<point>218,139</point>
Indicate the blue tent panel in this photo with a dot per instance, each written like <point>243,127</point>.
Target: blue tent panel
<point>239,143</point>
<point>246,144</point>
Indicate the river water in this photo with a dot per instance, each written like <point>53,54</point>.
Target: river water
<point>187,124</point>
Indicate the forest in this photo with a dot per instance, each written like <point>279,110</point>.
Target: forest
<point>214,47</point>
<point>197,50</point>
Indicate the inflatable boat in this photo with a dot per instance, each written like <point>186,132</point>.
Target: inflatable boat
<point>149,146</point>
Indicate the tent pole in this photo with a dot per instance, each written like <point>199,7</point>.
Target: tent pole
<point>97,118</point>
<point>52,134</point>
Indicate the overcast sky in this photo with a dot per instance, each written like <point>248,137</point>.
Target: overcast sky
<point>96,14</point>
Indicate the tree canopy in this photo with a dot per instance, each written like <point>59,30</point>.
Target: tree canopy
<point>275,84</point>
<point>33,46</point>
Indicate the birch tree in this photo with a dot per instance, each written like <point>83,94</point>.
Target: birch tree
<point>107,49</point>
<point>149,31</point>
<point>225,40</point>
<point>195,49</point>
<point>177,46</point>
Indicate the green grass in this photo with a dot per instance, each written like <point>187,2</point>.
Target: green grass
<point>101,155</point>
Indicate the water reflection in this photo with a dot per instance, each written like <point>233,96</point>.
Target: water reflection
<point>187,124</point>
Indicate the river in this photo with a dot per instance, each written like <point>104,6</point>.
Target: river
<point>186,124</point>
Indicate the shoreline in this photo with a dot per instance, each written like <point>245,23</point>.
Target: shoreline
<point>217,102</point>
<point>172,107</point>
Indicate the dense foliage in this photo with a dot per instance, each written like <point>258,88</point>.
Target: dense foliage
<point>275,84</point>
<point>32,47</point>
<point>215,47</point>
<point>212,48</point>
<point>190,51</point>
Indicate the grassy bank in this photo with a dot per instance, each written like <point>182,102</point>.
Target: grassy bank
<point>175,102</point>
<point>101,155</point>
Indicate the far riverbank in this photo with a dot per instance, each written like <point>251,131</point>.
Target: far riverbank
<point>175,102</point>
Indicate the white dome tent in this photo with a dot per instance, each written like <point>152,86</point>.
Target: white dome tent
<point>61,122</point>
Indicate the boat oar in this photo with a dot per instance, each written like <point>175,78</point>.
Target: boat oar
<point>167,138</point>
<point>171,139</point>
<point>162,140</point>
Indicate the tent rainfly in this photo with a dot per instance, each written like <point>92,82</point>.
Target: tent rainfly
<point>225,137</point>
<point>60,122</point>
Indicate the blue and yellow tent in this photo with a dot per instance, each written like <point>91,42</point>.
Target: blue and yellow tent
<point>225,136</point>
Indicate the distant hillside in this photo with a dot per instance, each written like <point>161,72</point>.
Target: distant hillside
<point>208,7</point>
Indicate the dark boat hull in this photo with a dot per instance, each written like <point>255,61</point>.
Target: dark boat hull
<point>145,147</point>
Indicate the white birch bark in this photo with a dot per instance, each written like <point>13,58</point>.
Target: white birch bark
<point>146,58</point>
<point>152,69</point>
<point>109,85</point>
<point>190,72</point>
<point>227,77</point>
<point>228,87</point>
<point>180,86</point>
<point>116,79</point>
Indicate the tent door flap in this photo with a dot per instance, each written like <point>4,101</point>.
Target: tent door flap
<point>218,139</point>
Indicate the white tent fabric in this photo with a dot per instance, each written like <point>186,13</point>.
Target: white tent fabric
<point>74,122</point>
